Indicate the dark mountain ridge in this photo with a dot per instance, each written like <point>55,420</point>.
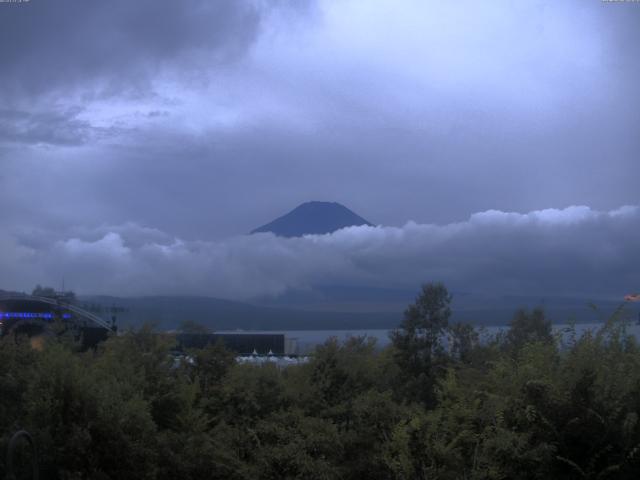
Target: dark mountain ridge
<point>315,218</point>
<point>168,312</point>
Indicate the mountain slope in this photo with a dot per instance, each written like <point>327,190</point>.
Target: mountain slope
<point>315,218</point>
<point>168,312</point>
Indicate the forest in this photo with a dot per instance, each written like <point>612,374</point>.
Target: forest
<point>438,403</point>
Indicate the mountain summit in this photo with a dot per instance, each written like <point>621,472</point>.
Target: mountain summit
<point>315,218</point>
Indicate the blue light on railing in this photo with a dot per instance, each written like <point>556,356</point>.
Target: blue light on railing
<point>42,315</point>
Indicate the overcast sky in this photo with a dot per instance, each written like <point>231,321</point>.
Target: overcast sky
<point>140,140</point>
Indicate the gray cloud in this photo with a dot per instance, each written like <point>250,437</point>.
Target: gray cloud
<point>576,251</point>
<point>48,127</point>
<point>207,119</point>
<point>118,45</point>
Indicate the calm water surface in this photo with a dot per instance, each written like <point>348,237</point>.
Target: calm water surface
<point>308,339</point>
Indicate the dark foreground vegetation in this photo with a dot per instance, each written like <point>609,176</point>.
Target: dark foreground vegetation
<point>525,405</point>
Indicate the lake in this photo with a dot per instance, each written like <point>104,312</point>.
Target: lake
<point>308,339</point>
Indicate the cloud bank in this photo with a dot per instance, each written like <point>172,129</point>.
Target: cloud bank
<point>139,140</point>
<point>571,251</point>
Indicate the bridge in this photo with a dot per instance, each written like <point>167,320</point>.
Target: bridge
<point>59,304</point>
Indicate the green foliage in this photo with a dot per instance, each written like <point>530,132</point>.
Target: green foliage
<point>464,341</point>
<point>210,367</point>
<point>528,328</point>
<point>189,326</point>
<point>418,342</point>
<point>40,291</point>
<point>49,292</point>
<point>525,406</point>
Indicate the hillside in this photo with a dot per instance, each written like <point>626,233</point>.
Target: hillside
<point>334,313</point>
<point>168,312</point>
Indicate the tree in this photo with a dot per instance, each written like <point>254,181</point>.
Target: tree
<point>49,292</point>
<point>463,340</point>
<point>528,327</point>
<point>41,291</point>
<point>190,326</point>
<point>211,364</point>
<point>418,341</point>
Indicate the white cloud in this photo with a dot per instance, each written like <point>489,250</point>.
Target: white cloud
<point>575,250</point>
